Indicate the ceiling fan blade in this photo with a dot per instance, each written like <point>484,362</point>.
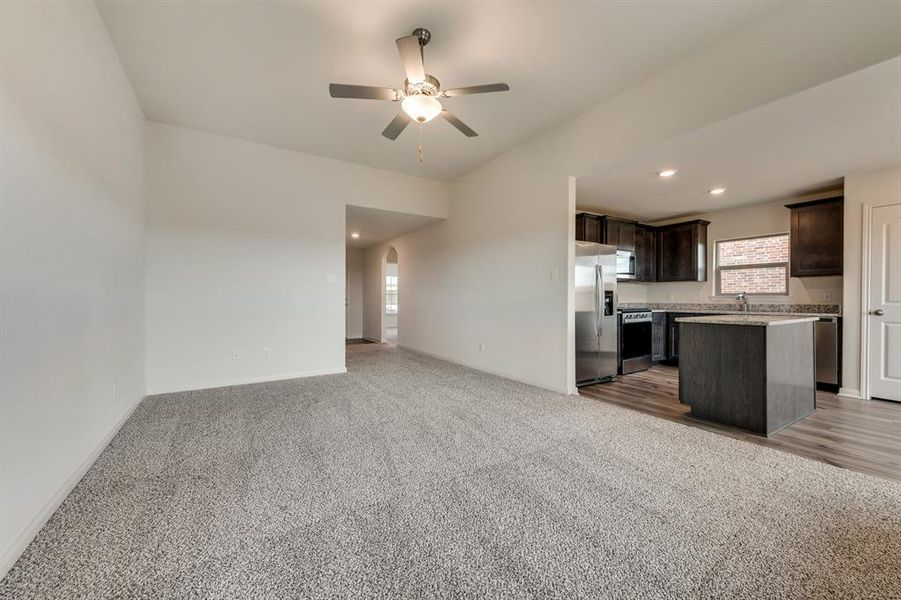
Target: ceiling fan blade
<point>411,57</point>
<point>476,89</point>
<point>453,120</point>
<point>364,92</point>
<point>396,125</point>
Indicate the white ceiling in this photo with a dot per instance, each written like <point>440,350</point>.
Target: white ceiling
<point>260,70</point>
<point>376,226</point>
<point>790,146</point>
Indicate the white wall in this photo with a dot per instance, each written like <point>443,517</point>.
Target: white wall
<point>872,188</point>
<point>485,275</point>
<point>354,293</point>
<point>246,251</point>
<point>746,221</point>
<point>71,256</point>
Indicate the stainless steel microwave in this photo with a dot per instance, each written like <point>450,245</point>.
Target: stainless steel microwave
<point>625,264</point>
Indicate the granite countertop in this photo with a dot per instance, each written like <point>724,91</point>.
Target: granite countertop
<point>731,308</point>
<point>706,311</point>
<point>745,319</point>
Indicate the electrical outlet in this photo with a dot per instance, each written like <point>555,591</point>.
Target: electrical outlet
<point>236,354</point>
<point>267,352</point>
<point>555,274</point>
<point>481,346</point>
<point>331,278</point>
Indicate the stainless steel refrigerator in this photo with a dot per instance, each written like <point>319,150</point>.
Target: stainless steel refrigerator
<point>596,335</point>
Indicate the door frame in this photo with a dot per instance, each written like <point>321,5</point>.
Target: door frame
<point>866,262</point>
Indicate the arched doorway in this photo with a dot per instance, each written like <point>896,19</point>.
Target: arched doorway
<point>390,288</point>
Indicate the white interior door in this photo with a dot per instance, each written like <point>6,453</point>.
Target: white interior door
<point>884,318</point>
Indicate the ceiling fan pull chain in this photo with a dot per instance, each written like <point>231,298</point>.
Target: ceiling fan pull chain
<point>419,150</point>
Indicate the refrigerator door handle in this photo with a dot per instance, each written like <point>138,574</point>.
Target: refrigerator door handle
<point>599,294</point>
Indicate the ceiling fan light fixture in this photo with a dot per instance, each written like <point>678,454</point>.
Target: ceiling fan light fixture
<point>421,108</point>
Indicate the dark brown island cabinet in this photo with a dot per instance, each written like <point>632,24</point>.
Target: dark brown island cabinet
<point>817,229</point>
<point>755,372</point>
<point>676,252</point>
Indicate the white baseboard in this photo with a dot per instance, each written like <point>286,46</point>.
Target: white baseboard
<point>848,393</point>
<point>244,381</point>
<point>11,554</point>
<point>525,380</point>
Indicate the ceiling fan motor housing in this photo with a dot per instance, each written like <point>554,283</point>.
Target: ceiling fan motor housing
<point>430,87</point>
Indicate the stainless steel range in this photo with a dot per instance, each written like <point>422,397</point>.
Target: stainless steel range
<point>634,340</point>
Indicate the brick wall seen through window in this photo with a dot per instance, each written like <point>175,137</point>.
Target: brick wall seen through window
<point>757,265</point>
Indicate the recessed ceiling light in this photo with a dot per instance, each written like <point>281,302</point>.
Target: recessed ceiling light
<point>717,191</point>
<point>355,235</point>
<point>667,172</point>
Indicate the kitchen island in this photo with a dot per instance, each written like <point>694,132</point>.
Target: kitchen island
<point>751,371</point>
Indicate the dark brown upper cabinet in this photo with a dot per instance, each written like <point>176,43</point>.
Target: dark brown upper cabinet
<point>620,233</point>
<point>645,253</point>
<point>682,251</point>
<point>590,228</point>
<point>606,230</point>
<point>817,229</point>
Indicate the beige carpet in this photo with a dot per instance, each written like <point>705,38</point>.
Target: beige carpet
<point>412,477</point>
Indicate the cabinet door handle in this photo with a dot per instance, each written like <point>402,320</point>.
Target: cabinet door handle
<point>877,313</point>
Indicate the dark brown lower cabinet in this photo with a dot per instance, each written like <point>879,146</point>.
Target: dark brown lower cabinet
<point>672,334</point>
<point>658,336</point>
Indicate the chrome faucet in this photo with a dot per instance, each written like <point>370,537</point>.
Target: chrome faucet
<point>743,301</point>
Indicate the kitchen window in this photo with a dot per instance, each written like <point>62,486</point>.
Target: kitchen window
<point>755,265</point>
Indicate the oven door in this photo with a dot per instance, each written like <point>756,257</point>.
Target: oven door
<point>635,346</point>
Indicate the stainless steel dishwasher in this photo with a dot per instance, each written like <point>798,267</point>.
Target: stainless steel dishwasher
<point>828,353</point>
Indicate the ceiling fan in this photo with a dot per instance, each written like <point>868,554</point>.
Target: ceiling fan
<point>420,98</point>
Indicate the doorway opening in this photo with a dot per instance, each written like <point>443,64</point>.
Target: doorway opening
<point>391,294</point>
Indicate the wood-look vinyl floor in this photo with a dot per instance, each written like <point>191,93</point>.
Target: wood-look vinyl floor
<point>862,435</point>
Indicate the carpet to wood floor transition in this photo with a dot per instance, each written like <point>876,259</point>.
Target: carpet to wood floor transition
<point>413,477</point>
